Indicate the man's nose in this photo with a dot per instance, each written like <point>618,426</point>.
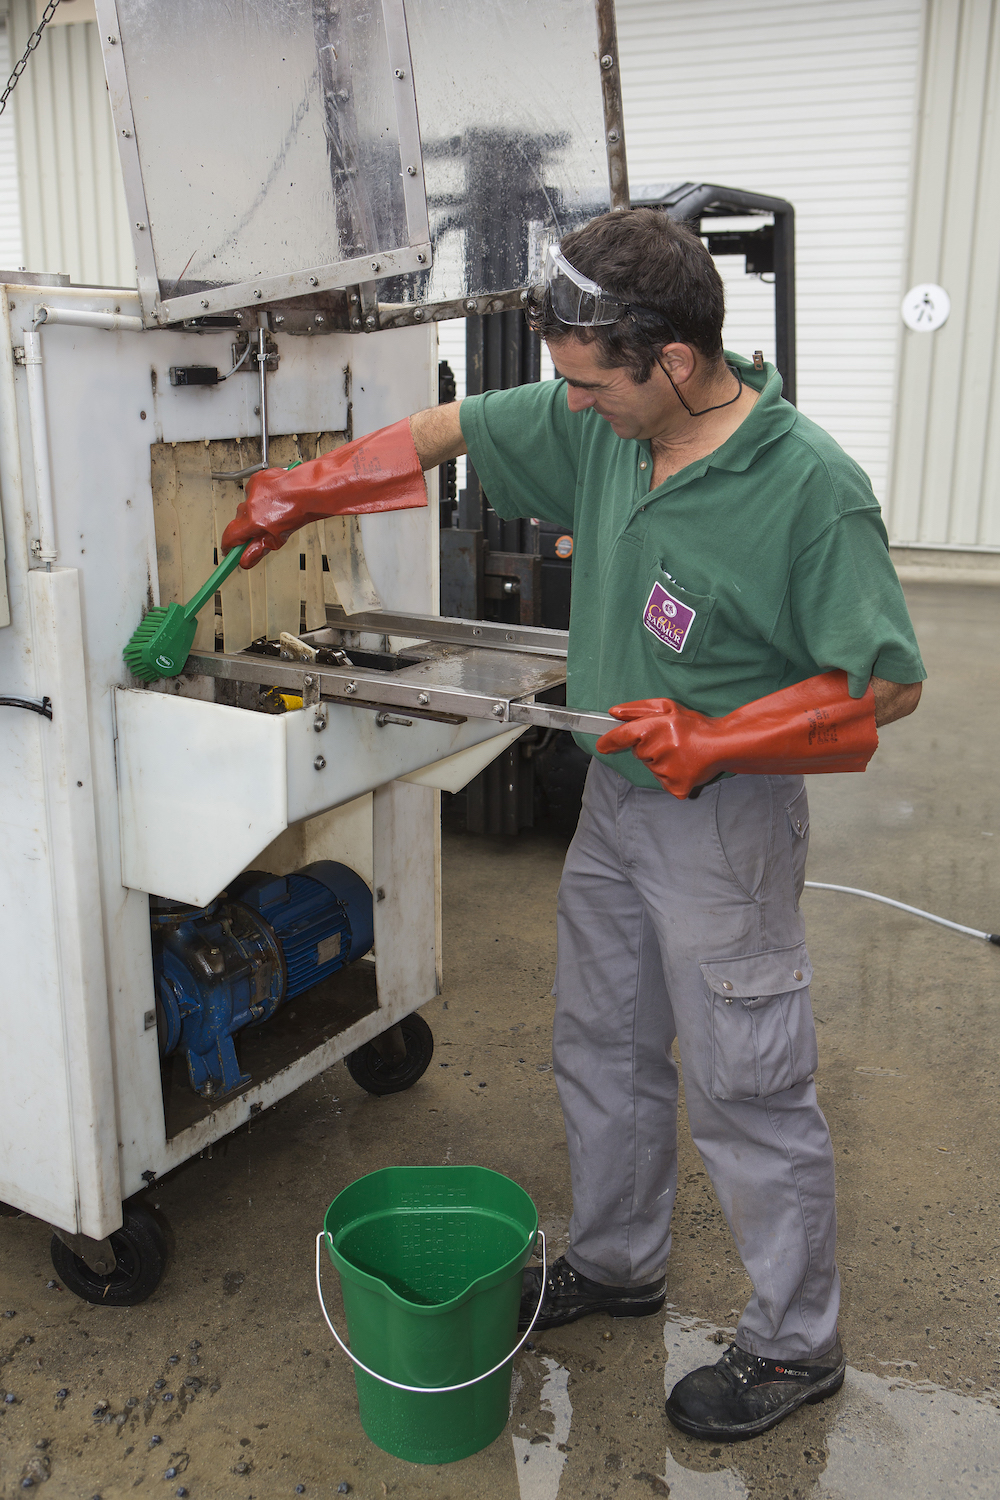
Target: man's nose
<point>578,400</point>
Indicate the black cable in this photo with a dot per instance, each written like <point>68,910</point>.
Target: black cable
<point>44,708</point>
<point>732,370</point>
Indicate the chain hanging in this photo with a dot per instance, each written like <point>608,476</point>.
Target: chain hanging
<point>33,40</point>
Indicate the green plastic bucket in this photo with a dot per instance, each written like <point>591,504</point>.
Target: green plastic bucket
<point>430,1262</point>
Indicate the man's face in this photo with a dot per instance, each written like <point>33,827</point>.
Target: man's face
<point>632,411</point>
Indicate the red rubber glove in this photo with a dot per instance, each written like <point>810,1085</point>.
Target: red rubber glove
<point>813,726</point>
<point>378,472</point>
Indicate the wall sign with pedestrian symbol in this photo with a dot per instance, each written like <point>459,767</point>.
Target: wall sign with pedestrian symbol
<point>926,307</point>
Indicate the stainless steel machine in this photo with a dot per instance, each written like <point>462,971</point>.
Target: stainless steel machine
<point>216,885</point>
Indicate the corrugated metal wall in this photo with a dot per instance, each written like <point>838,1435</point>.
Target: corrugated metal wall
<point>73,215</point>
<point>10,208</point>
<point>813,101</point>
<point>946,473</point>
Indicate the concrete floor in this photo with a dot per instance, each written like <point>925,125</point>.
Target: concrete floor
<point>907,1027</point>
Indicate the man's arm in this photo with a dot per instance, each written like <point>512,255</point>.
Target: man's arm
<point>813,726</point>
<point>437,434</point>
<point>383,471</point>
<point>894,700</point>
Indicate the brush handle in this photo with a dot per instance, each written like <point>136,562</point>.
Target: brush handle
<point>198,601</point>
<point>208,588</point>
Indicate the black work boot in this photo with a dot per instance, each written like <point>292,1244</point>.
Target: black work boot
<point>569,1296</point>
<point>743,1395</point>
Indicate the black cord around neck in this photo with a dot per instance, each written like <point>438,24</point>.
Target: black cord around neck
<point>733,370</point>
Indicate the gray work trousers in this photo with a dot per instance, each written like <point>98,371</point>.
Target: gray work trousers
<point>681,919</point>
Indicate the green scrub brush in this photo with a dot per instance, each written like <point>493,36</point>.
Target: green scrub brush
<point>162,643</point>
<point>160,646</point>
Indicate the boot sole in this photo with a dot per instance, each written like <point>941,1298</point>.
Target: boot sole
<point>616,1310</point>
<point>808,1397</point>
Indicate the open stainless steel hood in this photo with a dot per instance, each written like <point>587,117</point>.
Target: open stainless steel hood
<point>421,151</point>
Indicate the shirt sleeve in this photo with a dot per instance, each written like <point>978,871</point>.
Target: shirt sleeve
<point>845,606</point>
<point>524,451</point>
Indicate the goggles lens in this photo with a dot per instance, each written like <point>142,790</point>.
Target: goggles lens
<point>573,297</point>
<point>578,301</point>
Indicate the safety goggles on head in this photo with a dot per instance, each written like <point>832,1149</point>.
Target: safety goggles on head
<point>574,298</point>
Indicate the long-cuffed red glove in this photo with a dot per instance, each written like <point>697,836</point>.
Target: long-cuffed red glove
<point>814,726</point>
<point>378,472</point>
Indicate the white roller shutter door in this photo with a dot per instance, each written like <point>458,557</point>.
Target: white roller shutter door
<point>10,206</point>
<point>813,101</point>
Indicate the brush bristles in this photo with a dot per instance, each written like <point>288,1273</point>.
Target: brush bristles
<point>153,619</point>
<point>134,652</point>
<point>143,673</point>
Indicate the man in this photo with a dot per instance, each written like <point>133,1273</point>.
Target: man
<point>734,598</point>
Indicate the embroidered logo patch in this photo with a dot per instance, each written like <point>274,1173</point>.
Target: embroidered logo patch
<point>667,618</point>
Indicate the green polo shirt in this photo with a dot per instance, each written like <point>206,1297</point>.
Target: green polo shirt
<point>752,569</point>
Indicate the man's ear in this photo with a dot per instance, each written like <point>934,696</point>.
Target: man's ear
<point>680,360</point>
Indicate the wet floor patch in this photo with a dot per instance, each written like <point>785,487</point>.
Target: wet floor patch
<point>690,1342</point>
<point>541,1459</point>
<point>883,1437</point>
<point>908,1438</point>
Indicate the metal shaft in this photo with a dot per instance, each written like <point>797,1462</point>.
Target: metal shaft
<point>44,504</point>
<point>262,367</point>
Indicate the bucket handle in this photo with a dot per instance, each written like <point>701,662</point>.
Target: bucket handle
<point>425,1390</point>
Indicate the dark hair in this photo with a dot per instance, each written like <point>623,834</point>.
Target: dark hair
<point>657,263</point>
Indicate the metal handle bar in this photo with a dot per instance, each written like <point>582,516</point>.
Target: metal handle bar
<point>426,1390</point>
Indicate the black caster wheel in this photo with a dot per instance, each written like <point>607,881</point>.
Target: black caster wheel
<point>141,1258</point>
<point>377,1073</point>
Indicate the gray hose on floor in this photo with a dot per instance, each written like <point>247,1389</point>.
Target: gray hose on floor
<point>850,890</point>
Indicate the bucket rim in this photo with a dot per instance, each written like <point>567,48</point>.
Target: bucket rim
<point>517,1261</point>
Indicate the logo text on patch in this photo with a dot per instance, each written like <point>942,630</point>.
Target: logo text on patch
<point>667,618</point>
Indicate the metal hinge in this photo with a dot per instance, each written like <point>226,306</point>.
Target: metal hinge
<point>19,354</point>
<point>368,292</point>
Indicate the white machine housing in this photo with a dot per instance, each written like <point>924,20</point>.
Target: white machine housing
<point>116,790</point>
<point>81,1118</point>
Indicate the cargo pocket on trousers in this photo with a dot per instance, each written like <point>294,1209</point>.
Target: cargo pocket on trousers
<point>798,824</point>
<point>763,1034</point>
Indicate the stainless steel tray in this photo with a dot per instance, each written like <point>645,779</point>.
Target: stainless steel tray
<point>467,669</point>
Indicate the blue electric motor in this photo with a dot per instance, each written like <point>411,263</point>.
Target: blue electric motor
<point>231,964</point>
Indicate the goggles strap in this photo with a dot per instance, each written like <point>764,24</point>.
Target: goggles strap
<point>706,409</point>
